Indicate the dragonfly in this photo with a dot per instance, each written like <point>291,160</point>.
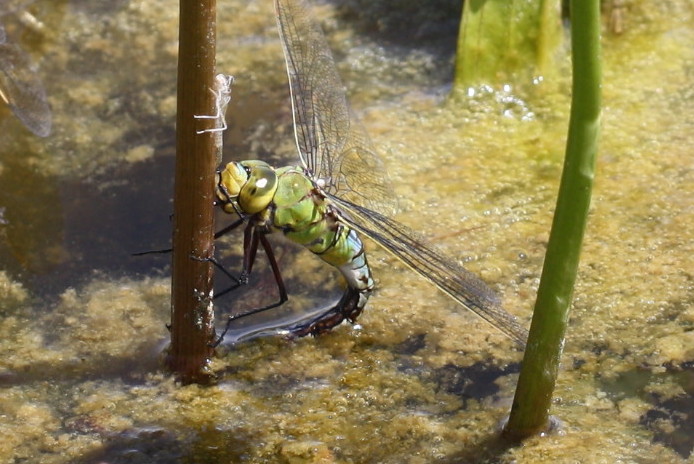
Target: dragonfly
<point>338,193</point>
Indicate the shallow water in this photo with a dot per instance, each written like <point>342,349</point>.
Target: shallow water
<point>418,380</point>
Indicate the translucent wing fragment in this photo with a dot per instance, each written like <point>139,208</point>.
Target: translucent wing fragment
<point>22,89</point>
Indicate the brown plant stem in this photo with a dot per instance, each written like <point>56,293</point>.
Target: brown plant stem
<point>192,318</point>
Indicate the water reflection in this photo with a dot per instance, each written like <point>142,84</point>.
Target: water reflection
<point>32,222</point>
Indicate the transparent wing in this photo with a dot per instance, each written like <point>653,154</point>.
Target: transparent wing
<point>333,146</point>
<point>22,89</point>
<point>425,259</point>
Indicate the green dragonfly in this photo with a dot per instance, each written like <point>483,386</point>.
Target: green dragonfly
<point>338,193</point>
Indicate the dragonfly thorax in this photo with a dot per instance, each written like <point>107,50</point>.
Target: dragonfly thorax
<point>249,184</point>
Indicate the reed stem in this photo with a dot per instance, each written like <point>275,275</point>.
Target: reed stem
<point>530,411</point>
<point>192,318</point>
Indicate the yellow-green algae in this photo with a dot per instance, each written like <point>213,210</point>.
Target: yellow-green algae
<point>80,380</point>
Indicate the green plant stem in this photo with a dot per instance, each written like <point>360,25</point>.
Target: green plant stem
<point>529,414</point>
<point>192,319</point>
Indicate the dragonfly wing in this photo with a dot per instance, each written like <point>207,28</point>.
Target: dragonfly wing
<point>22,90</point>
<point>333,146</point>
<point>425,259</point>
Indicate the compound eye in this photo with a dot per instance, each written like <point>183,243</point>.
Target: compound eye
<point>257,193</point>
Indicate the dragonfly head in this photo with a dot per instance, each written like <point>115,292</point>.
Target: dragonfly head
<point>249,184</point>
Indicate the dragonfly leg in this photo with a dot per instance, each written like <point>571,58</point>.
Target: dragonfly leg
<point>250,243</point>
<point>238,281</point>
<point>249,257</point>
<point>218,234</point>
<point>229,228</point>
<point>349,307</point>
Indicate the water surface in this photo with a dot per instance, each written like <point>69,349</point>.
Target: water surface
<point>419,380</point>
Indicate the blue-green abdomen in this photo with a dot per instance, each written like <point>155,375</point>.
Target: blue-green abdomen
<point>303,215</point>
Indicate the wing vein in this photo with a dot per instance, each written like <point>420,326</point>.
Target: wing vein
<point>425,259</point>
